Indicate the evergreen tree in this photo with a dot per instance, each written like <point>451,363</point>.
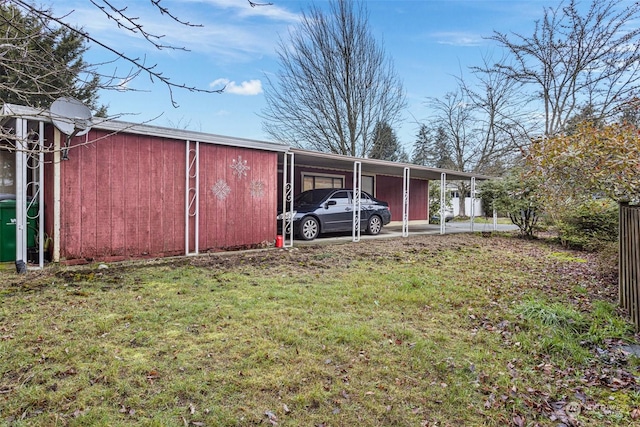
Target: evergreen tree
<point>421,146</point>
<point>385,144</point>
<point>42,62</point>
<point>431,148</point>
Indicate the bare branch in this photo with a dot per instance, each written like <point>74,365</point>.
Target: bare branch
<point>136,63</point>
<point>254,4</point>
<point>575,59</point>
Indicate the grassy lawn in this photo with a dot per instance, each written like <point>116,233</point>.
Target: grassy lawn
<point>458,330</point>
<point>483,220</point>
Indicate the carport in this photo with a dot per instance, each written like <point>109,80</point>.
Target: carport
<point>401,179</point>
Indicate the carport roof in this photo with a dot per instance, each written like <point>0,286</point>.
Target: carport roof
<point>302,157</point>
<point>374,166</point>
<point>116,126</point>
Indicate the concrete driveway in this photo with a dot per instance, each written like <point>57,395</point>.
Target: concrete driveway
<point>394,229</point>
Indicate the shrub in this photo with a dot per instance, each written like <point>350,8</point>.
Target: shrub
<point>518,197</point>
<point>590,225</point>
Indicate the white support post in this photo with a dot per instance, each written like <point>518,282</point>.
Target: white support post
<point>21,189</point>
<point>192,196</point>
<point>443,201</point>
<point>37,193</point>
<point>356,205</point>
<point>406,180</point>
<point>472,213</point>
<point>495,219</point>
<point>41,187</point>
<point>55,257</point>
<point>33,164</point>
<point>287,199</point>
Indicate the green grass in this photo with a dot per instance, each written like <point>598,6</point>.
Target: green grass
<point>483,220</point>
<point>423,331</point>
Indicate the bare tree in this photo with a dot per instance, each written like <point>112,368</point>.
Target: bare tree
<point>504,120</point>
<point>478,128</point>
<point>454,119</point>
<point>573,59</point>
<point>335,84</point>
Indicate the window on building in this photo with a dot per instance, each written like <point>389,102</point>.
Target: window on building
<point>368,185</point>
<point>310,182</point>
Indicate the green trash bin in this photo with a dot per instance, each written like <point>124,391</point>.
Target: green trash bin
<point>8,227</point>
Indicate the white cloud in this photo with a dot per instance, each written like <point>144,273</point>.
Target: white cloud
<point>458,38</point>
<point>242,8</point>
<point>231,30</point>
<point>251,87</point>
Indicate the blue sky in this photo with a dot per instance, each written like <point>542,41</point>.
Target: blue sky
<point>429,42</point>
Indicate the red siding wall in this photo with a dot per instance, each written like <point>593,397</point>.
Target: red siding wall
<point>237,196</point>
<point>124,196</point>
<point>389,188</point>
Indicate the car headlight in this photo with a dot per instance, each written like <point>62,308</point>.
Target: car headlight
<point>287,215</point>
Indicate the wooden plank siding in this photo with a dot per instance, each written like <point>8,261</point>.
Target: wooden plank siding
<point>389,189</point>
<point>629,261</point>
<point>237,196</point>
<point>124,197</point>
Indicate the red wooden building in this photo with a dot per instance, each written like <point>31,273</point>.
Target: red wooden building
<point>126,190</point>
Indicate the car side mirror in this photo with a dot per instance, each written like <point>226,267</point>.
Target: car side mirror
<point>330,203</point>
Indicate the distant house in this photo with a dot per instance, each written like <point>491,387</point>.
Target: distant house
<point>468,200</point>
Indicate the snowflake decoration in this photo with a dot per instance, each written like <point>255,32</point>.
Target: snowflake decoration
<point>257,189</point>
<point>239,167</point>
<point>221,190</point>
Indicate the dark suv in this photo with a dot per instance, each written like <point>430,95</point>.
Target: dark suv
<point>327,210</point>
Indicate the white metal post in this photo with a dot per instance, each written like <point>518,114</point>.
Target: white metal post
<point>443,201</point>
<point>41,226</point>
<point>356,202</point>
<point>186,198</point>
<point>197,200</point>
<point>192,196</point>
<point>406,180</point>
<point>21,189</point>
<point>33,163</point>
<point>287,199</point>
<point>472,214</point>
<point>55,257</point>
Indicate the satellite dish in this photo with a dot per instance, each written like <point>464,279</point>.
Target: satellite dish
<point>70,116</point>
